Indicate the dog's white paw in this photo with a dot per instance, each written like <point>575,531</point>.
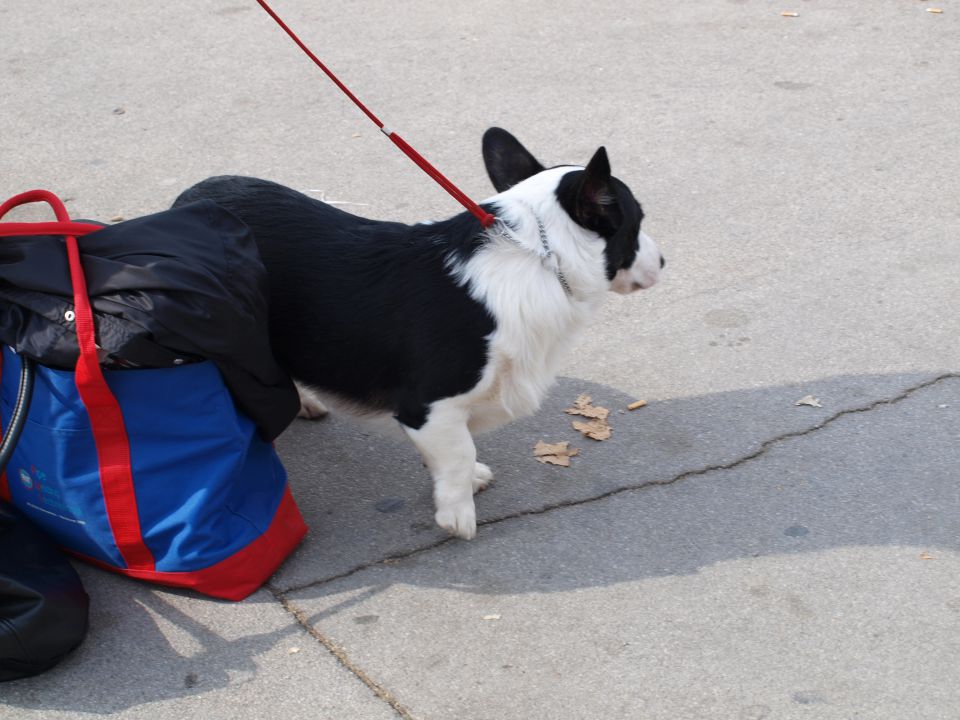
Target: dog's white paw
<point>482,475</point>
<point>313,410</point>
<point>311,407</point>
<point>459,519</point>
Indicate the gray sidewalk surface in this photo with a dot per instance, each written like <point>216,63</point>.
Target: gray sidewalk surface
<point>727,553</point>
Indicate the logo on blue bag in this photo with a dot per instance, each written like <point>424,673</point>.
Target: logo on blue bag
<point>48,497</point>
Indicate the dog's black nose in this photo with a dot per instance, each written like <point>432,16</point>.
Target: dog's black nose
<point>662,262</point>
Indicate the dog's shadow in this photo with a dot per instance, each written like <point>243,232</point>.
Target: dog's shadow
<point>692,462</point>
<point>681,485</point>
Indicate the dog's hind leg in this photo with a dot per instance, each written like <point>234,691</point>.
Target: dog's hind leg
<point>311,407</point>
<point>449,453</point>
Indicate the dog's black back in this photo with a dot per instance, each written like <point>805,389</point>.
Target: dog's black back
<point>362,308</point>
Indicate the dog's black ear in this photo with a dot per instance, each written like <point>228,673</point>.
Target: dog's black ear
<point>596,187</point>
<point>597,199</point>
<point>507,161</point>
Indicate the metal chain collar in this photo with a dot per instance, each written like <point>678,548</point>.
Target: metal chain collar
<point>546,257</point>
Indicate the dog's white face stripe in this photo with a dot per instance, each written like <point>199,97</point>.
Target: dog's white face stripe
<point>645,271</point>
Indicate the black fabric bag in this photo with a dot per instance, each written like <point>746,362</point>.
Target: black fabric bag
<point>169,288</point>
<point>43,606</point>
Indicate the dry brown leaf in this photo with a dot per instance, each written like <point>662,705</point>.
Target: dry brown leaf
<point>583,406</point>
<point>596,429</point>
<point>555,454</point>
<point>637,404</point>
<point>561,460</point>
<point>542,448</point>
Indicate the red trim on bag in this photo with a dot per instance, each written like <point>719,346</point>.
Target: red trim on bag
<point>239,575</point>
<point>109,429</point>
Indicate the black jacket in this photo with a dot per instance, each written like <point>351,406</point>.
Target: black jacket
<point>177,286</point>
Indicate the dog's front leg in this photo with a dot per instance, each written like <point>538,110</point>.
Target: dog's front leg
<point>449,453</point>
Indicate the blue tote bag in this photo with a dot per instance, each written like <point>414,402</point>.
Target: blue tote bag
<point>152,473</point>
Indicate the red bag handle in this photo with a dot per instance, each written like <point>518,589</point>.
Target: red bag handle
<point>30,196</point>
<point>63,226</point>
<point>106,418</point>
<point>69,227</point>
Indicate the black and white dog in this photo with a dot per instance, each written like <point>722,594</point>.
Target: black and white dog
<point>447,326</point>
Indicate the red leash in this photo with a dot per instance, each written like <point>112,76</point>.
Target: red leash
<point>485,218</point>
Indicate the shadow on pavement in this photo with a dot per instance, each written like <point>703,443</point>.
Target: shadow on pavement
<point>367,498</point>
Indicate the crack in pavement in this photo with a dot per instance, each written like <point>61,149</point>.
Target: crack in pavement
<point>341,656</point>
<point>762,450</point>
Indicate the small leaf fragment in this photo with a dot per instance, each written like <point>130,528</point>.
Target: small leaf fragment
<point>491,617</point>
<point>809,400</point>
<point>789,13</point>
<point>583,406</point>
<point>555,454</point>
<point>926,556</point>
<point>936,11</point>
<point>541,448</point>
<point>596,429</point>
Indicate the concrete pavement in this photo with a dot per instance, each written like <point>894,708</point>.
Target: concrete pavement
<point>727,553</point>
